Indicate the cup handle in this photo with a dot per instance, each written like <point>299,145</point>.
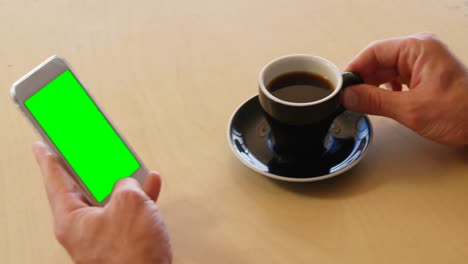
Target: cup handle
<point>349,79</point>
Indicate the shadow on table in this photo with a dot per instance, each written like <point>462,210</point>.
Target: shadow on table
<point>395,164</point>
<point>350,183</point>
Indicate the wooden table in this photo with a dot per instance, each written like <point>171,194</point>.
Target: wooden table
<point>170,73</point>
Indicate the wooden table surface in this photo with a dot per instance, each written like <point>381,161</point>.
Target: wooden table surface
<point>170,73</point>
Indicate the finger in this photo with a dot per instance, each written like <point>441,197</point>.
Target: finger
<point>127,183</point>
<point>376,63</point>
<point>127,193</point>
<point>385,60</point>
<point>63,195</point>
<point>373,100</point>
<point>152,185</point>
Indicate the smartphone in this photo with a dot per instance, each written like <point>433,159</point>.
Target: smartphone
<point>70,121</point>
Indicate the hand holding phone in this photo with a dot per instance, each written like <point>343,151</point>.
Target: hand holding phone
<point>83,146</point>
<point>129,229</point>
<point>74,126</point>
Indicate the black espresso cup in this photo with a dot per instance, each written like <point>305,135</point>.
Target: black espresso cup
<point>299,118</point>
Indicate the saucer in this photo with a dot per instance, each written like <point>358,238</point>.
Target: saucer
<point>346,144</point>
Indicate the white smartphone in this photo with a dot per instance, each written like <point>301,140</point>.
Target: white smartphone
<point>74,126</point>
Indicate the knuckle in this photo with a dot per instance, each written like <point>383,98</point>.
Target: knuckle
<point>128,194</point>
<point>375,101</point>
<point>50,157</point>
<point>412,118</point>
<point>411,121</point>
<point>60,234</point>
<point>427,36</point>
<point>428,40</point>
<point>54,169</point>
<point>375,43</point>
<point>413,41</point>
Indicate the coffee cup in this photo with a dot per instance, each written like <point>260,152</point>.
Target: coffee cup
<point>300,97</point>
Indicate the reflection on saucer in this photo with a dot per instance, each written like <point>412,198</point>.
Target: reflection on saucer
<point>347,142</point>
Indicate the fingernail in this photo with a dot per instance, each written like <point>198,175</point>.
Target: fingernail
<point>40,147</point>
<point>350,98</point>
<point>37,146</point>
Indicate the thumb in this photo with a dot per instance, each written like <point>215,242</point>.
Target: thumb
<point>128,190</point>
<point>373,100</point>
<point>152,185</point>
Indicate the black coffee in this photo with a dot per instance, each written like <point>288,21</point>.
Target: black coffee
<point>300,87</point>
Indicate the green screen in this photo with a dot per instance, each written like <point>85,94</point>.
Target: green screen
<point>82,134</point>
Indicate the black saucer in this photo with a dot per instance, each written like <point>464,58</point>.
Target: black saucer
<point>347,142</point>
